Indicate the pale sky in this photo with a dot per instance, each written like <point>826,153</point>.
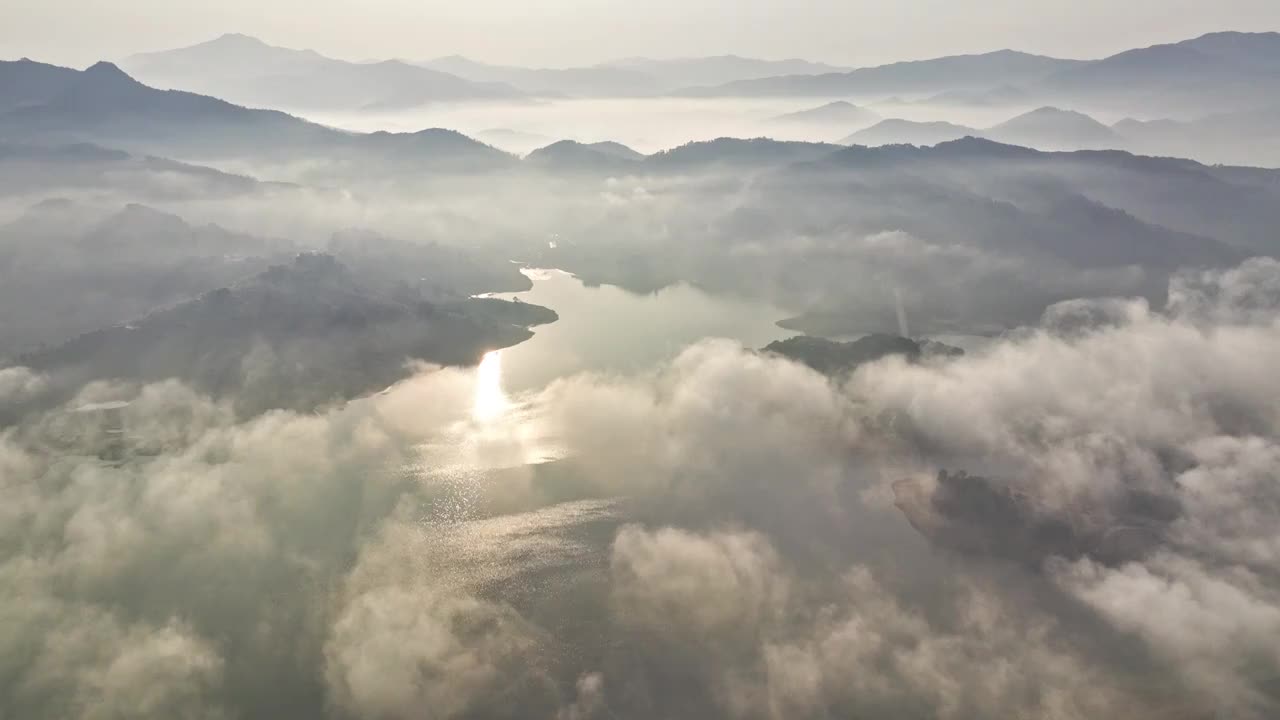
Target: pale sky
<point>566,32</point>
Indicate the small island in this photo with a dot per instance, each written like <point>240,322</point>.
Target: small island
<point>832,357</point>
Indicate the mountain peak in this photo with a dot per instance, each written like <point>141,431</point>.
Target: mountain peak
<point>104,69</point>
<point>237,39</point>
<point>836,112</point>
<point>395,63</point>
<point>104,79</point>
<point>616,149</point>
<point>1050,114</point>
<point>1051,111</point>
<point>973,145</point>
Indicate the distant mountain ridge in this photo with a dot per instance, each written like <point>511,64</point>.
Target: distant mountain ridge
<point>583,81</point>
<point>1053,128</point>
<point>1002,67</point>
<point>1226,70</point>
<point>907,132</point>
<point>840,112</point>
<point>1230,71</point>
<point>248,71</point>
<point>628,77</point>
<point>690,72</point>
<point>1244,137</point>
<point>1247,138</point>
<point>1046,128</point>
<point>104,105</point>
<point>1222,70</point>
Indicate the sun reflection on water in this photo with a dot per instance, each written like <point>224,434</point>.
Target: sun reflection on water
<point>490,399</point>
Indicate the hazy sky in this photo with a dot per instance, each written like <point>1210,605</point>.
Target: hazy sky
<point>560,32</point>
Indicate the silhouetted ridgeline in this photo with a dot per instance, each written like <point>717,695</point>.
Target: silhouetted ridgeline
<point>246,70</point>
<point>103,105</point>
<point>1228,71</point>
<point>924,76</point>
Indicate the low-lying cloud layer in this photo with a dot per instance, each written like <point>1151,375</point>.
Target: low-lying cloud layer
<point>721,540</point>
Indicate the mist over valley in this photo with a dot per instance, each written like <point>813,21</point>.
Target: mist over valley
<point>736,386</point>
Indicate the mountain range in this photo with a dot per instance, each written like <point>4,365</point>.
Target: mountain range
<point>65,109</point>
<point>1230,71</point>
<point>247,71</point>
<point>630,77</point>
<point>1048,128</point>
<point>105,106</point>
<point>1215,97</point>
<point>1003,67</point>
<point>1224,71</point>
<point>1250,137</point>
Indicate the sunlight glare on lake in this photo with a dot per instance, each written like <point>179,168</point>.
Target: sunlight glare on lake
<point>490,400</point>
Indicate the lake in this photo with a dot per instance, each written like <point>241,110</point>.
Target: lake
<point>610,330</point>
<point>602,329</point>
